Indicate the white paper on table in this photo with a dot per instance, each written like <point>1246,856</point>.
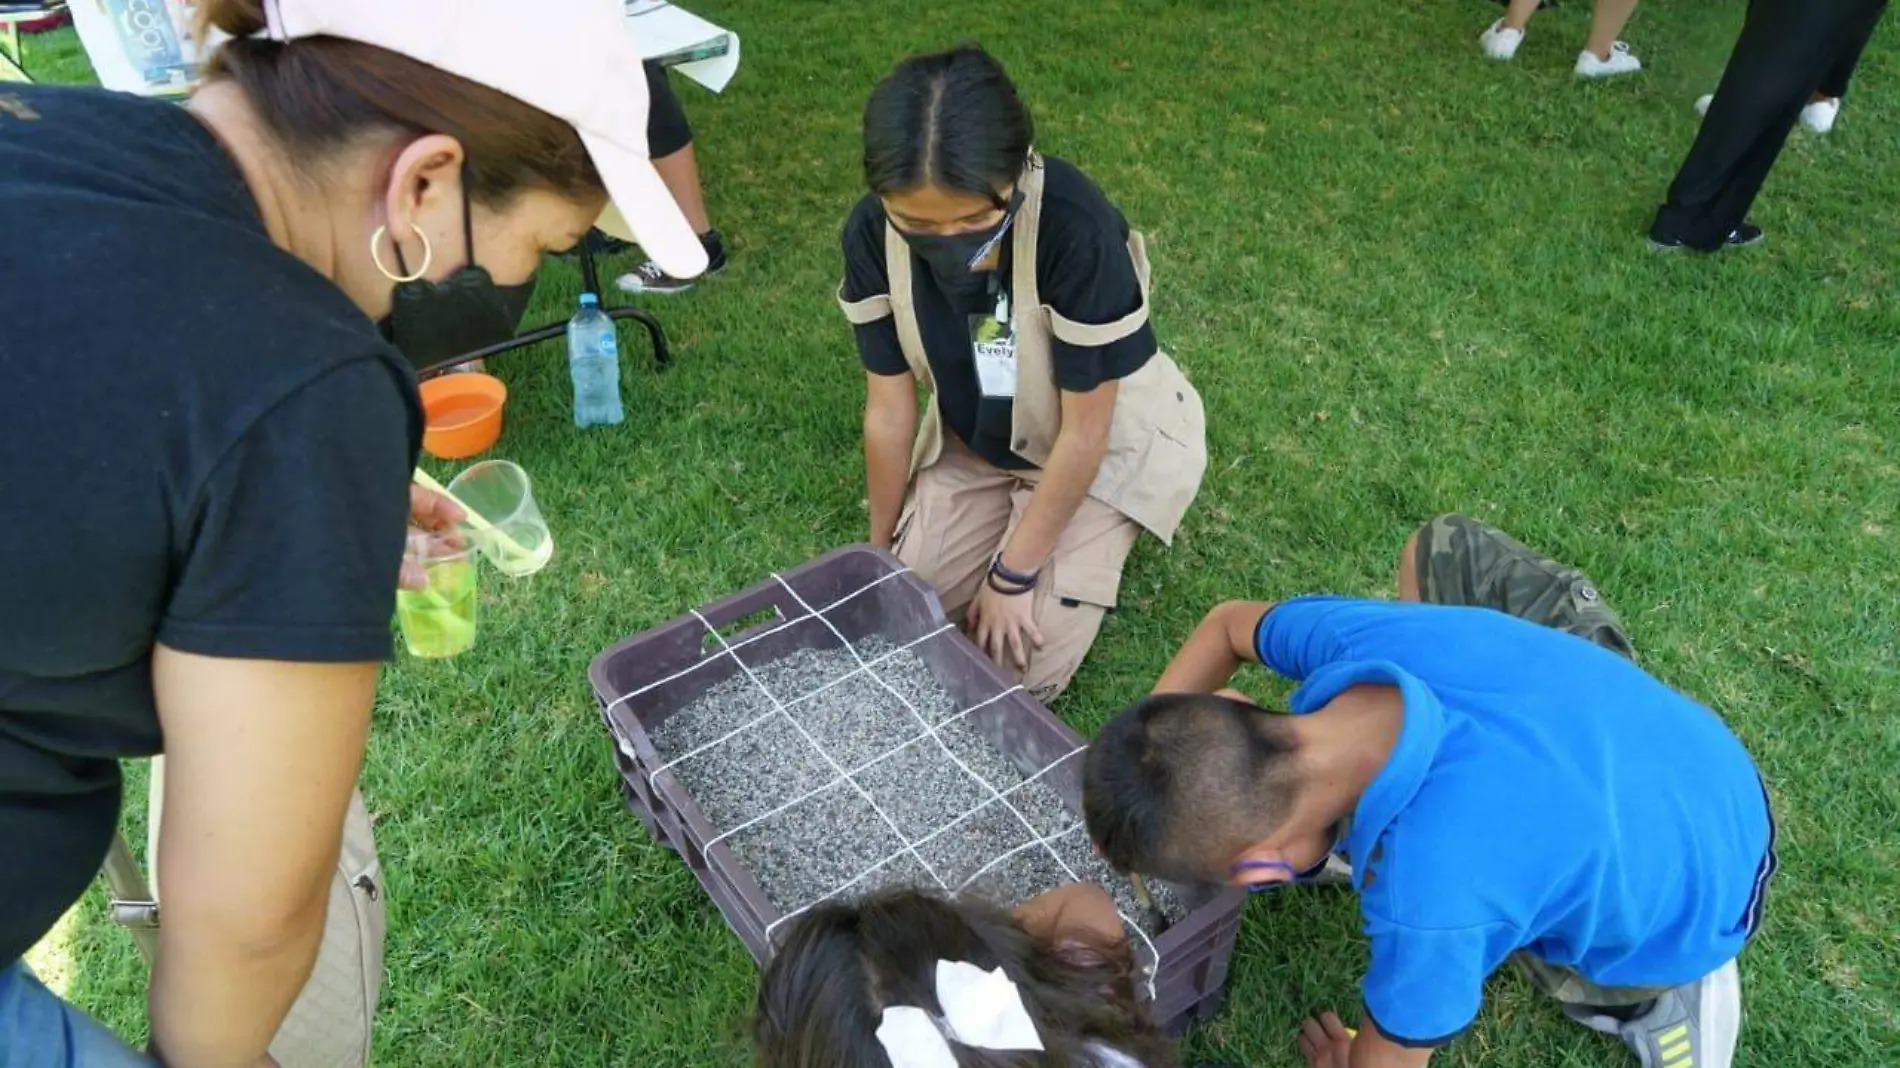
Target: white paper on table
<point>667,32</point>
<point>139,46</point>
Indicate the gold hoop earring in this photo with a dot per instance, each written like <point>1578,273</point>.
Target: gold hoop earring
<point>376,257</point>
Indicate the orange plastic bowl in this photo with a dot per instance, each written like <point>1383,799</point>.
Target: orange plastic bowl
<point>462,413</point>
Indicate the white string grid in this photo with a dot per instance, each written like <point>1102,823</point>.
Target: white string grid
<point>820,750</point>
<point>995,794</point>
<point>927,839</point>
<point>760,636</point>
<point>862,669</point>
<point>930,732</point>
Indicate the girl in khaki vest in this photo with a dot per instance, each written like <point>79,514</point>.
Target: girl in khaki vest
<point>1055,430</point>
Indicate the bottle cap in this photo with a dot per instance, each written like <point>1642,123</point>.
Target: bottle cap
<point>590,300</point>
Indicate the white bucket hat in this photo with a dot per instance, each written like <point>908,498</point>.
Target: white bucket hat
<point>574,59</point>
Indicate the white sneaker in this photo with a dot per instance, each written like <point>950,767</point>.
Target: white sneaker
<point>1696,1025</point>
<point>1621,61</point>
<point>1500,41</point>
<point>1702,103</point>
<point>1820,115</point>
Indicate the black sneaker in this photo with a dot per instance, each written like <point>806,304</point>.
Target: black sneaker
<point>599,242</point>
<point>650,277</point>
<point>1740,237</point>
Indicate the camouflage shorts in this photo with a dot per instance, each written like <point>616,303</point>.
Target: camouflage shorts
<point>1568,986</point>
<point>1462,561</point>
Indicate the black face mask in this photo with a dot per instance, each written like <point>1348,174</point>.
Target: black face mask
<point>950,256</point>
<point>436,322</point>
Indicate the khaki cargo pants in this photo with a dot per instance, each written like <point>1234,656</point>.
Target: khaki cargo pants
<point>961,512</point>
<point>329,1025</point>
<point>1461,561</point>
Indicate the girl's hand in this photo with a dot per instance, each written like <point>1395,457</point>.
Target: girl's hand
<point>1004,626</point>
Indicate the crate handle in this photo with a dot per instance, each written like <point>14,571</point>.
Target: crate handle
<point>740,630</point>
<point>755,609</point>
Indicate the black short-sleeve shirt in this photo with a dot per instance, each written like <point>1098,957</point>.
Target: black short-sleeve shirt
<point>1082,270</point>
<point>203,443</point>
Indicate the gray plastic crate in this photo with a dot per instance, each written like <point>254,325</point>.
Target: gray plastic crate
<point>860,592</point>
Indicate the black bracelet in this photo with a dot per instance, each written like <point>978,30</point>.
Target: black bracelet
<point>995,582</point>
<point>1027,580</point>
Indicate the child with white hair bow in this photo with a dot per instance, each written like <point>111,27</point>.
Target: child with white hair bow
<point>911,979</point>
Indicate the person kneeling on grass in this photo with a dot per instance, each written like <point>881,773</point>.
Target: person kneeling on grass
<point>1503,778</point>
<point>909,979</point>
<point>1056,431</point>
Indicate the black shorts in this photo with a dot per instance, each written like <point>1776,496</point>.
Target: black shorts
<point>667,129</point>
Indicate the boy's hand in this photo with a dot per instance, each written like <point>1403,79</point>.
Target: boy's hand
<point>1326,1042</point>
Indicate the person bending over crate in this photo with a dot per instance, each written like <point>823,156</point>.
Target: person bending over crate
<point>1069,432</point>
<point>910,979</point>
<point>1505,781</point>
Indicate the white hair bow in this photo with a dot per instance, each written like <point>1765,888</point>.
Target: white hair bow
<point>983,1010</point>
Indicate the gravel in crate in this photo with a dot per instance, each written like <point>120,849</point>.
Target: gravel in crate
<point>801,673</point>
<point>811,849</point>
<point>907,673</point>
<point>1019,877</point>
<point>815,847</point>
<point>960,850</point>
<point>725,707</point>
<point>1079,855</point>
<point>857,720</point>
<point>753,772</point>
<point>920,789</point>
<point>1037,801</point>
<point>902,870</point>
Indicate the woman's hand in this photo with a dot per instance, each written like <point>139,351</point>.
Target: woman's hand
<point>429,512</point>
<point>1004,626</point>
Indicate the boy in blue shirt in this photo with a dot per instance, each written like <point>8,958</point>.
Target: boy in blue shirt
<point>1504,780</point>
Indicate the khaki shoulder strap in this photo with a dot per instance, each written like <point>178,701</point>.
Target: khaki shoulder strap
<point>1024,293</point>
<point>867,311</point>
<point>910,337</point>
<point>1095,335</point>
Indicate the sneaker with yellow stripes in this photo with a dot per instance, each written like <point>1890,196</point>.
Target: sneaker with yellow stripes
<point>1693,1026</point>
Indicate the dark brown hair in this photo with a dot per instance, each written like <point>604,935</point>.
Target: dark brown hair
<point>1177,784</point>
<point>841,965</point>
<point>949,119</point>
<point>319,95</point>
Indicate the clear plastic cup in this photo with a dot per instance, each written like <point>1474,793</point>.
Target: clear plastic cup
<point>516,539</point>
<point>438,620</point>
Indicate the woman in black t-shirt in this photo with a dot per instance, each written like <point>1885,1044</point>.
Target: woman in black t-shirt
<point>1009,287</point>
<point>207,460</point>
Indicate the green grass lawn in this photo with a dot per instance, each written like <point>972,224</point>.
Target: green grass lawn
<point>1406,280</point>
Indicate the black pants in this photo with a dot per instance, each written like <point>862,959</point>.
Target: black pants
<point>1788,50</point>
<point>667,129</point>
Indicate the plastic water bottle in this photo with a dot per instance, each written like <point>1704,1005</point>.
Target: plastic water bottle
<point>593,358</point>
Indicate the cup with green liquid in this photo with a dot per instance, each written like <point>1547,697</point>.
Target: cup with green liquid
<point>505,523</point>
<point>438,621</point>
